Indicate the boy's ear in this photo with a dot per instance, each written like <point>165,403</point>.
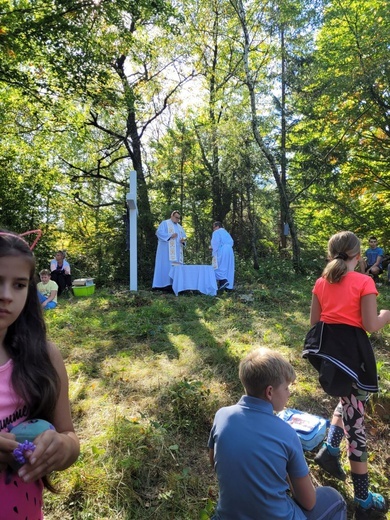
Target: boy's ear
<point>268,392</point>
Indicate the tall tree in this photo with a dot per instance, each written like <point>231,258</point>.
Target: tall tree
<point>257,59</point>
<point>343,140</point>
<point>107,57</point>
<point>211,38</point>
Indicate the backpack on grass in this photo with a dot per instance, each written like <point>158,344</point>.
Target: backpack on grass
<point>311,429</point>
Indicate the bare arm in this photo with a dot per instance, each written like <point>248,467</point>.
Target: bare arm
<point>62,416</point>
<point>370,318</point>
<point>378,260</point>
<point>362,265</point>
<point>315,310</point>
<point>303,491</point>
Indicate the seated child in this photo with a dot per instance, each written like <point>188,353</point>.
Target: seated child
<point>258,457</point>
<point>47,290</point>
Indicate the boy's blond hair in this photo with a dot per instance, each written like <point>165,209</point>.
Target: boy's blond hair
<point>44,272</point>
<point>262,368</point>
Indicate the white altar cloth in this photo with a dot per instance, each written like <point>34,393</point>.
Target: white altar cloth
<point>193,277</point>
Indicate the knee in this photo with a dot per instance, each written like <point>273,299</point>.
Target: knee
<point>330,495</point>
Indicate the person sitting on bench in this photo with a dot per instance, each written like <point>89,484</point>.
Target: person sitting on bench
<point>60,272</point>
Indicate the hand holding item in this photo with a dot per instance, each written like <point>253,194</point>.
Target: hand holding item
<point>25,434</point>
<point>7,445</point>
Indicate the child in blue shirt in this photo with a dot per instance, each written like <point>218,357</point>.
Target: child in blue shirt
<point>258,457</point>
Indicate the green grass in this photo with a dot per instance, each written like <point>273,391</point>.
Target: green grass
<point>147,373</point>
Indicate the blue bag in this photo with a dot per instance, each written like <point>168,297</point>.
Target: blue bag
<point>311,429</point>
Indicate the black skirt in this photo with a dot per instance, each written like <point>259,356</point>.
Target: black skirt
<point>342,355</point>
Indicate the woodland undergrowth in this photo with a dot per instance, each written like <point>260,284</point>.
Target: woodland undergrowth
<point>148,370</point>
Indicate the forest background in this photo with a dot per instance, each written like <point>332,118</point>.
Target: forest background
<point>258,114</point>
<point>269,116</point>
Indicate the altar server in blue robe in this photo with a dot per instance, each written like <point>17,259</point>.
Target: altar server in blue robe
<point>223,256</point>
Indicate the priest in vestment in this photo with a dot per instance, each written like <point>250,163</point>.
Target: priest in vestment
<point>171,241</point>
<point>223,256</point>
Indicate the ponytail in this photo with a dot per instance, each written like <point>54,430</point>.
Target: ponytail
<point>335,270</point>
<point>342,247</point>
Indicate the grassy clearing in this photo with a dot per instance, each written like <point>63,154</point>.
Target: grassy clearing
<point>147,373</point>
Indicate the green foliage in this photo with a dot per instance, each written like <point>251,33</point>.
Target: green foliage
<point>341,144</point>
<point>91,90</point>
<point>79,105</point>
<point>208,511</point>
<point>270,268</point>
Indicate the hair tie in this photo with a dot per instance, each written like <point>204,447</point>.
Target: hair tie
<point>15,235</point>
<point>341,256</point>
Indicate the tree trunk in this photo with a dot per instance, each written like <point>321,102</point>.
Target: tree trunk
<point>146,231</point>
<point>283,240</point>
<point>281,186</point>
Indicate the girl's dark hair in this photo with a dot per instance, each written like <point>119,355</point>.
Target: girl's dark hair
<point>34,377</point>
<point>342,246</point>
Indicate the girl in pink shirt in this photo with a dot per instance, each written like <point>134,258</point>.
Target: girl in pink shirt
<point>33,385</point>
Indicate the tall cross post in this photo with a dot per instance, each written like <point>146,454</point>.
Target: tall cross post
<point>131,200</point>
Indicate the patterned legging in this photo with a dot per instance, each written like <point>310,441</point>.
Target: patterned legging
<point>352,409</point>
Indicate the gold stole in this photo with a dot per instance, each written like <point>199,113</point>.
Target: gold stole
<point>172,243</point>
<point>214,259</point>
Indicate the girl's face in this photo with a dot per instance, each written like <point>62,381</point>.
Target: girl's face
<point>14,281</point>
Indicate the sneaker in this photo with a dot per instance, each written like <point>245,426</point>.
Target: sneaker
<point>330,463</point>
<point>375,506</point>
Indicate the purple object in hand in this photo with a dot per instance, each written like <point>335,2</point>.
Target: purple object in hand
<point>20,451</point>
<point>25,433</point>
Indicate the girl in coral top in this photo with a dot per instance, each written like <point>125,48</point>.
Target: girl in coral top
<point>343,308</point>
<point>33,385</point>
